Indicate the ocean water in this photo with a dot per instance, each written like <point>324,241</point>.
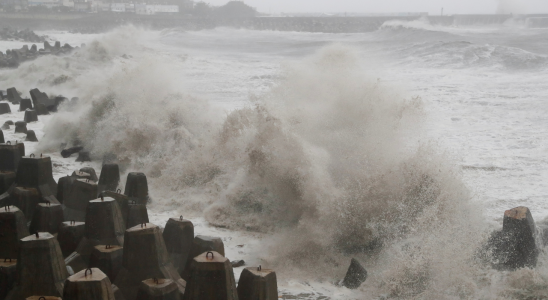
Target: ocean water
<point>402,147</point>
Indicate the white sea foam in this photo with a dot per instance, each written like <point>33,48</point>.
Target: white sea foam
<point>324,160</point>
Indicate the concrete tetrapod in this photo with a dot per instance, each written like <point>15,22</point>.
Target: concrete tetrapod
<point>20,127</point>
<point>257,284</point>
<point>201,244</point>
<point>13,227</point>
<point>2,137</point>
<point>89,284</point>
<point>108,259</point>
<point>109,178</point>
<point>137,214</point>
<point>145,256</point>
<point>36,172</point>
<point>179,236</point>
<point>26,199</point>
<point>104,226</point>
<point>4,108</point>
<point>43,298</point>
<point>47,218</point>
<point>31,136</point>
<point>69,236</point>
<point>25,104</point>
<point>7,179</point>
<point>158,289</point>
<point>211,278</point>
<point>8,270</point>
<point>137,187</point>
<point>76,202</point>
<point>40,267</point>
<point>63,187</point>
<point>30,116</point>
<point>515,246</point>
<point>10,155</point>
<point>123,203</point>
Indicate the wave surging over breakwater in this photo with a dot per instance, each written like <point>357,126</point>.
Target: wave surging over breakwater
<point>330,164</point>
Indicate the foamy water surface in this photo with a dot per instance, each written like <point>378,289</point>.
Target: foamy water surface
<point>304,149</point>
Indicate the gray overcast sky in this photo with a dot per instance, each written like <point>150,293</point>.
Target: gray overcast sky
<point>381,6</point>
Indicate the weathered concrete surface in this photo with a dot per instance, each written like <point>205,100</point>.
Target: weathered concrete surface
<point>47,218</point>
<point>108,259</point>
<point>69,236</point>
<point>13,227</point>
<point>158,289</point>
<point>145,256</point>
<point>89,284</point>
<point>179,236</point>
<point>257,284</point>
<point>211,278</point>
<point>39,255</point>
<point>201,244</point>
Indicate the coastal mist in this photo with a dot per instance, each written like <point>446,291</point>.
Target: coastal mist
<point>320,147</point>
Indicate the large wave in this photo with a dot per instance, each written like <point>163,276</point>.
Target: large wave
<point>331,163</point>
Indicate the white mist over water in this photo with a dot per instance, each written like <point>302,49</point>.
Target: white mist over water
<point>331,156</point>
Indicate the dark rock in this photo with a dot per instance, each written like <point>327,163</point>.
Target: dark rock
<point>69,236</point>
<point>237,263</point>
<point>9,122</point>
<point>5,126</point>
<point>355,275</point>
<point>65,153</point>
<point>514,246</point>
<point>31,136</point>
<point>200,245</point>
<point>83,156</point>
<point>89,284</point>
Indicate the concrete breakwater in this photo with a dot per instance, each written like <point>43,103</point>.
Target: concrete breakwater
<point>100,22</point>
<point>13,57</point>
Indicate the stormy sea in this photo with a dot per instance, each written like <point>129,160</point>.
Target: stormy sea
<point>400,147</point>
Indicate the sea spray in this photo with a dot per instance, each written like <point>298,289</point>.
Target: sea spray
<point>331,163</point>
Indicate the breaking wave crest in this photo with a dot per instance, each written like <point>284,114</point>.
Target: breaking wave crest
<point>331,163</point>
